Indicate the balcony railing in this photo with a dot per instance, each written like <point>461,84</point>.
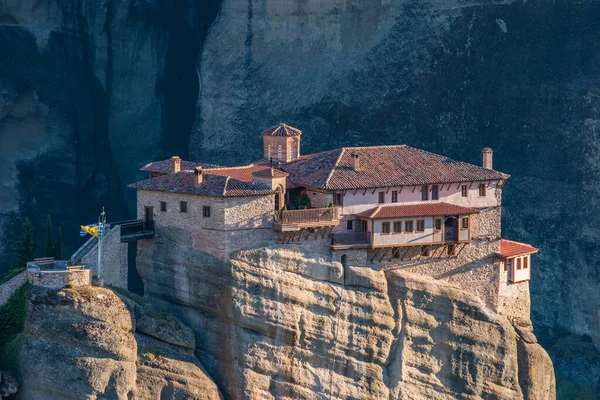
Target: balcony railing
<point>310,216</point>
<point>352,238</point>
<point>136,229</point>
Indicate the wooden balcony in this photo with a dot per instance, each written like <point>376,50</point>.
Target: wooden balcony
<point>135,229</point>
<point>296,220</point>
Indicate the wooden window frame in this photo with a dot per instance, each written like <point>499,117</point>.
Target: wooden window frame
<point>464,223</point>
<point>412,226</point>
<point>394,196</point>
<point>435,192</point>
<point>385,226</point>
<point>519,263</point>
<point>525,262</point>
<point>399,225</point>
<point>508,264</point>
<point>338,199</point>
<point>424,193</point>
<point>422,223</point>
<point>205,211</point>
<point>163,206</point>
<point>381,198</point>
<point>464,191</point>
<point>183,206</point>
<point>482,190</point>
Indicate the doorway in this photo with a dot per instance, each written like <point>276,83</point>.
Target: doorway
<point>148,218</point>
<point>451,229</point>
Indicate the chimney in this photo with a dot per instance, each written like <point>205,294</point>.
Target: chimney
<point>175,164</point>
<point>356,161</point>
<point>487,158</point>
<point>198,175</point>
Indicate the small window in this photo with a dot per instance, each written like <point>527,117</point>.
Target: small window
<point>394,196</point>
<point>463,191</point>
<point>434,192</point>
<point>464,223</point>
<point>163,206</point>
<point>349,226</point>
<point>508,264</point>
<point>206,211</point>
<point>385,227</point>
<point>519,263</point>
<point>437,224</point>
<point>337,199</point>
<point>269,151</point>
<point>183,206</point>
<point>408,226</point>
<point>381,197</point>
<point>425,192</point>
<point>482,189</point>
<point>279,152</point>
<point>397,227</point>
<point>525,262</point>
<point>420,225</point>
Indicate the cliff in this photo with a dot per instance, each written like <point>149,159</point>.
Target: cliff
<point>88,342</point>
<point>290,322</point>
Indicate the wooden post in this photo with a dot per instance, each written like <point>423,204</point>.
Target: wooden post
<point>383,255</point>
<point>375,255</point>
<point>396,250</point>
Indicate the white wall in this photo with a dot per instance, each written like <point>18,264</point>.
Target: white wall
<point>519,275</point>
<point>448,193</point>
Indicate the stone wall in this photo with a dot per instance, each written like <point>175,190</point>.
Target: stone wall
<point>59,279</point>
<point>319,199</point>
<point>8,288</point>
<point>513,298</point>
<point>487,224</point>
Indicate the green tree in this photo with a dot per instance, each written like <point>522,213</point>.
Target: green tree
<point>57,253</point>
<point>49,248</point>
<point>25,250</point>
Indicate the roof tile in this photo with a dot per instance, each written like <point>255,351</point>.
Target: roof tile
<point>510,248</point>
<point>416,210</point>
<point>282,130</point>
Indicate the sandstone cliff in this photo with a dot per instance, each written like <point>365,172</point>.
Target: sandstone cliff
<point>89,343</point>
<point>290,322</point>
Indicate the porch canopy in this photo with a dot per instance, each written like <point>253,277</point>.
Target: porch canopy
<point>415,210</point>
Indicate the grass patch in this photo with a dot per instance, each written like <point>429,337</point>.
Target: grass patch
<point>11,274</point>
<point>152,355</point>
<point>12,323</point>
<point>131,296</point>
<point>160,315</point>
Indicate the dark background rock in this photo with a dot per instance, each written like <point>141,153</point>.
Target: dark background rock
<point>90,91</point>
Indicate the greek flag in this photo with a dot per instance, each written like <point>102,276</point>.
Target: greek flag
<point>91,228</point>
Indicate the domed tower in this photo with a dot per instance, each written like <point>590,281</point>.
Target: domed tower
<point>281,143</point>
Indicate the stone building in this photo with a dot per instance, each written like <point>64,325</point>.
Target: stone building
<point>382,207</point>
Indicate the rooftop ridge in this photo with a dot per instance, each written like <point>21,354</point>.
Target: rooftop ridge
<point>337,161</point>
<point>232,167</point>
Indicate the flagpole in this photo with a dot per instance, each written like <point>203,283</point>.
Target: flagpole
<point>101,221</point>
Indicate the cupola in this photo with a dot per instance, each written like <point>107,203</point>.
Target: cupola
<point>281,143</point>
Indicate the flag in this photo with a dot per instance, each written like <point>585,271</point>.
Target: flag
<point>91,229</point>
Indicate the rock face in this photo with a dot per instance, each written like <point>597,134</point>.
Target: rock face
<point>289,322</point>
<point>83,343</point>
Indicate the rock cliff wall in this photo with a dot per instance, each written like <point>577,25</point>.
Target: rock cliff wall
<point>282,322</point>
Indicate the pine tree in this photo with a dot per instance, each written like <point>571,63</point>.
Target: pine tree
<point>25,250</point>
<point>57,253</point>
<point>49,248</point>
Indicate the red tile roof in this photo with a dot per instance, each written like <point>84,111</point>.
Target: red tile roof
<point>383,166</point>
<point>164,166</point>
<point>282,130</point>
<point>270,173</point>
<point>415,210</point>
<point>243,173</point>
<point>212,185</point>
<point>510,248</point>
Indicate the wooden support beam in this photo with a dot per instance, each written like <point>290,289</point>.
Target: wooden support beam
<point>470,185</point>
<point>284,237</point>
<point>325,232</point>
<point>374,191</point>
<point>307,234</point>
<point>356,190</point>
<point>317,231</point>
<point>414,188</point>
<point>461,249</point>
<point>423,251</point>
<point>405,253</point>
<point>436,251</point>
<point>383,255</point>
<point>400,191</point>
<point>396,250</point>
<point>365,192</point>
<point>375,255</point>
<point>458,186</point>
<point>449,186</point>
<point>387,191</point>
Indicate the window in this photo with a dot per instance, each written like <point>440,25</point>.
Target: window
<point>349,226</point>
<point>463,190</point>
<point>381,197</point>
<point>337,199</point>
<point>434,192</point>
<point>525,262</point>
<point>385,227</point>
<point>519,266</point>
<point>420,225</point>
<point>482,189</point>
<point>163,206</point>
<point>408,226</point>
<point>206,211</point>
<point>437,225</point>
<point>425,192</point>
<point>292,152</point>
<point>183,206</point>
<point>508,264</point>
<point>394,196</point>
<point>397,227</point>
<point>279,152</point>
<point>269,152</point>
<point>464,223</point>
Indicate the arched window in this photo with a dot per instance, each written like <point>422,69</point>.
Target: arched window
<point>279,152</point>
<point>292,152</point>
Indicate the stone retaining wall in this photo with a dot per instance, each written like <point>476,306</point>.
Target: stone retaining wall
<point>8,288</point>
<point>59,279</point>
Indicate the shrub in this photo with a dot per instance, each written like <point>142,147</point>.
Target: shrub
<point>12,321</point>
